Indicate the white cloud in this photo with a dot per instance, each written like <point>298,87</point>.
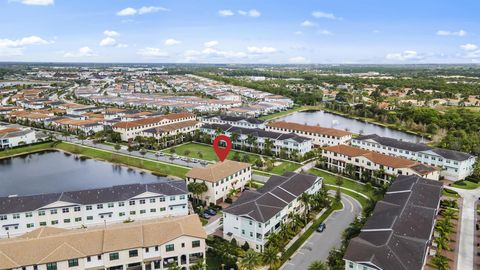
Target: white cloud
<point>460,33</point>
<point>308,23</point>
<point>325,32</point>
<point>31,40</point>
<point>404,56</point>
<point>250,13</point>
<point>469,47</point>
<point>36,2</point>
<point>152,52</point>
<point>108,41</point>
<point>129,11</point>
<point>122,45</point>
<point>261,50</point>
<point>82,52</point>
<point>211,43</point>
<point>171,42</point>
<point>223,54</point>
<point>110,33</point>
<point>151,9</point>
<point>225,13</point>
<point>298,33</point>
<point>297,59</point>
<point>325,15</point>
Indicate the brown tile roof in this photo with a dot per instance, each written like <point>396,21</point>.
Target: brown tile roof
<point>62,244</point>
<point>175,126</point>
<point>312,129</point>
<point>218,171</point>
<point>8,130</point>
<point>152,120</point>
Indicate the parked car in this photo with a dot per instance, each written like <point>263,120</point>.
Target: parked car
<point>321,227</point>
<point>206,216</point>
<point>210,211</point>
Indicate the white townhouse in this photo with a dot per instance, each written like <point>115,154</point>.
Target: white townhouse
<point>147,245</point>
<point>320,136</point>
<point>258,213</point>
<point>237,121</point>
<point>454,165</point>
<point>13,135</point>
<point>367,165</point>
<point>185,127</point>
<point>221,178</point>
<point>290,143</point>
<point>131,129</point>
<point>85,208</point>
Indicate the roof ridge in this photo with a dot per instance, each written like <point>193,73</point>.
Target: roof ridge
<point>8,257</point>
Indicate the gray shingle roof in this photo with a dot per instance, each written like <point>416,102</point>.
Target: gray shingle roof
<point>414,147</point>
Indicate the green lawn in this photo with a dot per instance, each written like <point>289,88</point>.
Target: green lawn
<point>25,149</point>
<point>209,154</point>
<point>158,168</point>
<point>363,202</point>
<point>466,184</point>
<point>347,183</point>
<point>450,193</point>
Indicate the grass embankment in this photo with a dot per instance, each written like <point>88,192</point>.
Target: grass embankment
<point>465,184</point>
<point>158,168</point>
<point>26,149</point>
<point>299,242</point>
<point>450,193</point>
<point>207,153</point>
<point>287,112</point>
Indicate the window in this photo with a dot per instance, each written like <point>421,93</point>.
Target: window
<point>3,217</point>
<point>29,225</point>
<point>72,262</point>
<point>78,219</point>
<point>152,200</point>
<point>76,209</point>
<point>121,214</point>
<point>350,264</point>
<point>142,211</point>
<point>113,256</point>
<point>65,210</point>
<point>89,207</point>
<point>132,212</point>
<point>172,198</point>
<point>43,223</point>
<point>99,257</point>
<point>161,199</point>
<point>162,209</point>
<point>29,214</point>
<point>169,247</point>
<point>131,202</point>
<point>54,222</point>
<point>153,210</point>
<point>121,204</point>
<point>110,205</point>
<point>147,250</point>
<point>133,253</point>
<point>142,201</point>
<point>195,243</point>
<point>99,206</point>
<point>89,259</point>
<point>52,266</point>
<point>182,197</point>
<point>89,217</point>
<point>16,216</point>
<point>67,220</point>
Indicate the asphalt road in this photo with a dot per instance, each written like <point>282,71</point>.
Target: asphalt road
<point>319,245</point>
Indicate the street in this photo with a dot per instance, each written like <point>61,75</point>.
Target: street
<point>319,245</point>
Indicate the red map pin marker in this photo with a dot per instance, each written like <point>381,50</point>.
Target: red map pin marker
<point>222,153</point>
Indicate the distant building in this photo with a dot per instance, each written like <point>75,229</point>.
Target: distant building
<point>373,165</point>
<point>258,213</point>
<point>75,209</point>
<point>154,244</point>
<point>320,136</point>
<point>237,121</point>
<point>454,165</point>
<point>130,129</point>
<point>15,135</point>
<point>290,143</point>
<point>174,129</point>
<point>398,234</point>
<point>221,178</point>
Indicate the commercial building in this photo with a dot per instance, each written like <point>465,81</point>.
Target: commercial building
<point>258,213</point>
<point>130,129</point>
<point>454,165</point>
<point>320,136</point>
<point>75,209</point>
<point>220,179</point>
<point>398,233</point>
<point>368,165</point>
<point>258,138</point>
<point>154,244</point>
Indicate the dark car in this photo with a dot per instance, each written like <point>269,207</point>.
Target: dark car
<point>321,227</point>
<point>206,216</point>
<point>210,211</point>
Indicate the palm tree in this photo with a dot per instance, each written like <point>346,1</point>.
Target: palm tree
<point>440,262</point>
<point>267,147</point>
<point>442,243</point>
<point>274,240</point>
<point>174,267</point>
<point>286,231</point>
<point>305,200</point>
<point>235,137</point>
<point>318,265</point>
<point>251,260</point>
<point>251,140</point>
<point>270,257</point>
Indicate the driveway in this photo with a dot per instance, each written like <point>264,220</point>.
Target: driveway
<point>467,228</point>
<point>319,245</point>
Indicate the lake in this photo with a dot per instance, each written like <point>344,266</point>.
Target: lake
<point>56,171</point>
<point>330,120</point>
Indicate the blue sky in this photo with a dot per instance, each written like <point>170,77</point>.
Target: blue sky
<point>240,31</point>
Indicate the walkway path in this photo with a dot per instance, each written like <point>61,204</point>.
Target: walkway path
<point>467,228</point>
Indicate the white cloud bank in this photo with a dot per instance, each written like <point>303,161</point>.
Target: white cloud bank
<point>129,11</point>
<point>459,33</point>
<point>261,50</point>
<point>82,52</point>
<point>325,15</point>
<point>211,43</point>
<point>469,47</point>
<point>407,55</point>
<point>171,42</point>
<point>251,13</point>
<point>225,13</point>
<point>151,52</point>
<point>11,47</point>
<point>36,2</point>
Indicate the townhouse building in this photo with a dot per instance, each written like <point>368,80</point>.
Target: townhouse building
<point>320,136</point>
<point>15,135</point>
<point>76,209</point>
<point>130,129</point>
<point>237,121</point>
<point>258,213</point>
<point>139,245</point>
<point>454,165</point>
<point>221,178</point>
<point>258,138</point>
<point>173,129</point>
<point>369,165</point>
<point>398,234</point>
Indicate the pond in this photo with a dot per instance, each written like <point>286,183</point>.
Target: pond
<point>330,120</point>
<point>56,171</point>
